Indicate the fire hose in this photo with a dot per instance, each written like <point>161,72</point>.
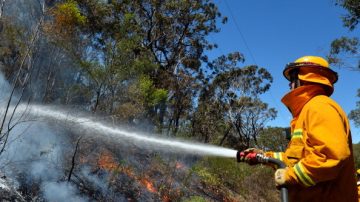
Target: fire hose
<point>267,160</point>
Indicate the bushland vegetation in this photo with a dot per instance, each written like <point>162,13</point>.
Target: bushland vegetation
<point>143,64</point>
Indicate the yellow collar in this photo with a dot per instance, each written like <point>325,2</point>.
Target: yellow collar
<point>297,98</point>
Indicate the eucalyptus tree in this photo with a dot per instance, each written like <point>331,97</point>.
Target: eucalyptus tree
<point>124,41</point>
<point>176,34</point>
<point>233,92</point>
<point>274,139</point>
<point>103,43</point>
<point>345,51</point>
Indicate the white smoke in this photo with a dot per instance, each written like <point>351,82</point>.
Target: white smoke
<point>94,179</point>
<point>34,150</point>
<point>4,89</point>
<point>62,191</point>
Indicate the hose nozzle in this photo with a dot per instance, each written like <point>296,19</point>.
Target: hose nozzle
<point>239,156</point>
<point>251,158</point>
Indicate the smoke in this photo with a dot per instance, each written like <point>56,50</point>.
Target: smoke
<point>5,89</point>
<point>23,12</point>
<point>35,152</point>
<point>100,184</point>
<point>61,192</point>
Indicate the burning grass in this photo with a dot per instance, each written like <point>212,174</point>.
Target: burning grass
<point>107,162</point>
<point>149,185</point>
<point>142,176</point>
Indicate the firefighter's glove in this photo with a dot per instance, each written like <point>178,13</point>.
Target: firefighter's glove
<point>280,176</point>
<point>253,150</point>
<point>249,156</point>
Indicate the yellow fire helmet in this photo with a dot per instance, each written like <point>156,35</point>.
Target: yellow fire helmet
<point>312,69</point>
<point>358,171</point>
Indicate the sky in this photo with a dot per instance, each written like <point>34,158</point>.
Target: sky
<point>273,33</point>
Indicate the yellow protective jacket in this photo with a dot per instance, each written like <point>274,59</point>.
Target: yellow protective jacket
<point>319,155</point>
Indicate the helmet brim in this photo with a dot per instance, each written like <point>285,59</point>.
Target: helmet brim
<point>329,73</point>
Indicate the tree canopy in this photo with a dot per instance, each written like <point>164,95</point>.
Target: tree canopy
<point>345,51</point>
<point>143,63</point>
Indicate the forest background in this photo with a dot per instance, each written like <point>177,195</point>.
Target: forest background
<point>150,66</point>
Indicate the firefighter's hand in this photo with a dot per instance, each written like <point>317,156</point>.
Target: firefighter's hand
<point>249,155</point>
<point>253,150</point>
<point>280,176</point>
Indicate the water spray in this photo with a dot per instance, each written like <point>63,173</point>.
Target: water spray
<point>119,134</point>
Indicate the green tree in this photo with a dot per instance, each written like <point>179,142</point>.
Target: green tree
<point>249,117</point>
<point>273,139</point>
<point>175,32</point>
<point>106,61</point>
<point>351,19</point>
<point>233,93</point>
<point>115,43</point>
<point>344,51</point>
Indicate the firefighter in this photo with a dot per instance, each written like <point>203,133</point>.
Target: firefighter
<point>319,157</point>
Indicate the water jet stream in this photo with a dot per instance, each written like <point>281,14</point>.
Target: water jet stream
<point>118,134</point>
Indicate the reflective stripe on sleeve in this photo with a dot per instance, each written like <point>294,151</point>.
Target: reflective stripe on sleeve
<point>297,133</point>
<point>304,178</point>
<point>277,155</point>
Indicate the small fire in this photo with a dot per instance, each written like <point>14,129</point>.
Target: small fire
<point>107,162</point>
<point>149,186</point>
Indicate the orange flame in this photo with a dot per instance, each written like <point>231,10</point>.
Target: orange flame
<point>107,162</point>
<point>149,186</point>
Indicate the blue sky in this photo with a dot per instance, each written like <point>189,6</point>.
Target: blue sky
<point>273,33</point>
